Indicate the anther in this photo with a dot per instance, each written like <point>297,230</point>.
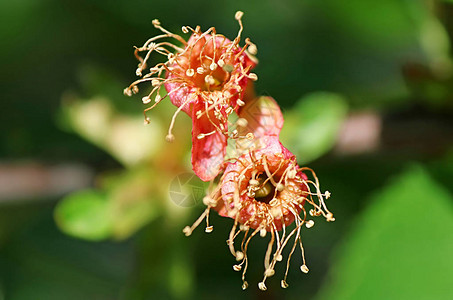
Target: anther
<point>284,284</point>
<point>237,268</point>
<point>269,272</point>
<point>229,110</point>
<point>279,257</point>
<point>127,92</point>
<point>263,232</point>
<point>170,138</point>
<point>330,217</point>
<point>213,66</point>
<point>135,89</point>
<point>309,223</point>
<point>138,72</point>
<point>156,22</point>
<point>200,70</point>
<point>147,121</point>
<point>254,182</point>
<point>232,213</point>
<point>146,100</point>
<point>276,212</point>
<point>155,82</point>
<point>262,286</point>
<point>209,229</point>
<point>327,194</point>
<point>237,16</point>
<point>206,200</point>
<point>304,268</point>
<point>273,202</point>
<point>241,122</point>
<point>253,76</point>
<point>292,174</point>
<point>245,285</point>
<point>280,187</point>
<point>190,72</point>
<point>200,136</point>
<point>243,227</point>
<point>252,49</point>
<point>239,255</point>
<point>209,79</point>
<point>157,98</point>
<point>221,63</point>
<point>250,136</point>
<point>240,102</point>
<point>187,231</point>
<point>185,29</point>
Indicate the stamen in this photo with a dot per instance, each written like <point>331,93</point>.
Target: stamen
<point>200,70</point>
<point>253,76</point>
<point>309,223</point>
<point>304,269</point>
<point>262,286</point>
<point>146,100</point>
<point>190,72</point>
<point>284,284</point>
<point>241,103</point>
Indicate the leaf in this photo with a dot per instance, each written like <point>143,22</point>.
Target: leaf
<point>401,245</point>
<point>312,126</point>
<point>85,214</point>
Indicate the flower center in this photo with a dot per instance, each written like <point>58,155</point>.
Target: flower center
<point>266,191</point>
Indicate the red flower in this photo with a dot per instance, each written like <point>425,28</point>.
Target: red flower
<point>207,79</point>
<point>264,190</point>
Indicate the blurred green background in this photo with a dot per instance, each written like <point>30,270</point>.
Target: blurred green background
<point>85,210</point>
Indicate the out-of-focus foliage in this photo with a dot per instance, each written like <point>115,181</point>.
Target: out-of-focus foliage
<point>394,245</point>
<point>64,66</point>
<point>312,126</point>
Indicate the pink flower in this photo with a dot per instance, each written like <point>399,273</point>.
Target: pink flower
<point>207,79</point>
<point>264,191</point>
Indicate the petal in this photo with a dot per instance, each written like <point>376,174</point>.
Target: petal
<point>207,153</point>
<point>264,120</point>
<point>264,117</point>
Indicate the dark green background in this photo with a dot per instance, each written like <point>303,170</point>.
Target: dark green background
<point>393,235</point>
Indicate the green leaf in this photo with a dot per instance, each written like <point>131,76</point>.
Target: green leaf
<point>312,126</point>
<point>85,214</point>
<point>400,247</point>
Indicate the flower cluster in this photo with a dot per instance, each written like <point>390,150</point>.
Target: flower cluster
<point>258,183</point>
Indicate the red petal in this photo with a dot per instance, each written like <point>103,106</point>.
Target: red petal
<point>264,117</point>
<point>207,153</point>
